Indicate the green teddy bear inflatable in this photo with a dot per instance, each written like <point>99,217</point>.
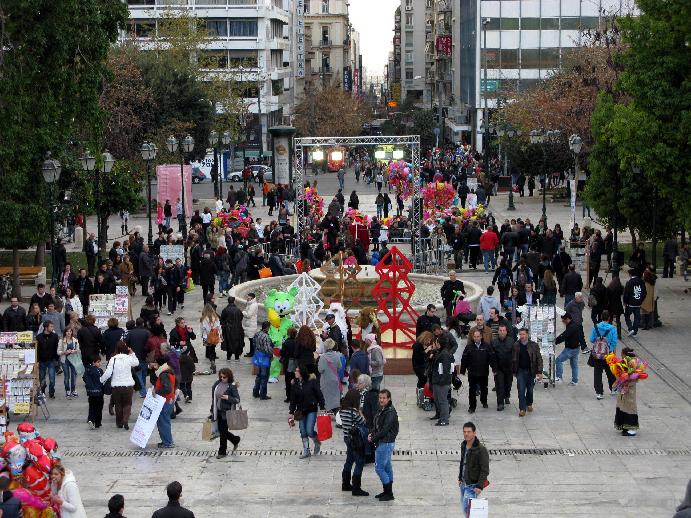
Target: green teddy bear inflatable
<point>278,306</point>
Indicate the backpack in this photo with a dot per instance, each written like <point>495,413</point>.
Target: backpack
<point>504,281</point>
<point>356,440</point>
<point>214,336</point>
<point>601,345</point>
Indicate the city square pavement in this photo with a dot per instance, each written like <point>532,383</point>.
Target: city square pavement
<point>564,459</point>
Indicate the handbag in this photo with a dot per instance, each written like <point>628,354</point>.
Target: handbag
<point>324,429</point>
<point>76,361</point>
<point>237,419</point>
<point>107,387</point>
<point>298,414</point>
<point>209,430</point>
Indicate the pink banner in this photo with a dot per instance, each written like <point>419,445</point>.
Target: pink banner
<point>169,185</point>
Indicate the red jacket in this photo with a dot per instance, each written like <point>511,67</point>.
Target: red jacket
<point>489,240</point>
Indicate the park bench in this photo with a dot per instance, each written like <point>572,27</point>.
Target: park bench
<point>27,274</point>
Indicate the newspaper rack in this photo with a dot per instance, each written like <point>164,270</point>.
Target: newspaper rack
<point>19,392</point>
<point>541,322</point>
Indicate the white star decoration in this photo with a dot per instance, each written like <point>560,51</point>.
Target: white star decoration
<point>307,304</point>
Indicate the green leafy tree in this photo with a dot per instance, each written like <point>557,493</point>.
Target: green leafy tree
<point>51,74</point>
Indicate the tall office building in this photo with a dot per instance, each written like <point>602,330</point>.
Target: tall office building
<point>417,54</point>
<point>250,41</point>
<point>518,42</point>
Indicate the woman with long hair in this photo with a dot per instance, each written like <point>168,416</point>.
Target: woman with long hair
<point>353,423</point>
<point>614,303</point>
<point>119,371</point>
<point>549,288</point>
<point>424,340</point>
<point>225,397</point>
<point>68,350</point>
<point>211,333</point>
<point>127,274</point>
<point>72,304</point>
<point>33,318</point>
<point>305,348</point>
<point>305,397</point>
<point>65,492</point>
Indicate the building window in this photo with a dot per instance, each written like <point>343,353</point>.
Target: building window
<point>142,28</point>
<point>409,5</point>
<point>325,6</point>
<point>493,24</point>
<point>409,18</point>
<point>213,59</point>
<point>509,58</point>
<point>549,58</point>
<point>408,56</point>
<point>243,59</point>
<point>571,23</point>
<point>409,38</point>
<point>326,62</point>
<point>243,28</point>
<point>508,24</point>
<point>409,74</point>
<point>590,22</point>
<point>325,35</point>
<point>530,24</point>
<point>276,86</point>
<point>530,58</point>
<point>492,58</point>
<point>217,28</point>
<point>549,24</point>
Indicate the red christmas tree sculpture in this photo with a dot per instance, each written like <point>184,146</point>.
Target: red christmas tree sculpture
<point>393,292</point>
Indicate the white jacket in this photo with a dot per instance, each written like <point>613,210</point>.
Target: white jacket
<point>249,319</point>
<point>72,506</point>
<point>62,348</point>
<point>207,326</point>
<point>119,370</point>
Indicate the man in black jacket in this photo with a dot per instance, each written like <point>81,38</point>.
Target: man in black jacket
<point>173,281</point>
<point>571,338</point>
<point>146,269</point>
<point>449,289</point>
<point>91,251</point>
<point>41,298</point>
<point>334,332</point>
<point>207,274</point>
<point>526,364</point>
<point>474,468</point>
<point>233,334</point>
<point>83,287</point>
<point>90,342</point>
<point>571,283</point>
<point>173,509</point>
<point>442,369</point>
<point>474,235</point>
<point>47,349</point>
<point>383,436</point>
<point>476,360</point>
<point>136,339</point>
<point>427,321</point>
<point>634,294</point>
<point>502,347</point>
<point>14,318</point>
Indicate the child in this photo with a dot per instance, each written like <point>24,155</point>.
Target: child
<point>94,390</point>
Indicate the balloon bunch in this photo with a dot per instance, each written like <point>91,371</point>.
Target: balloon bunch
<point>627,370</point>
<point>238,219</point>
<point>357,216</point>
<point>401,177</point>
<point>315,203</point>
<point>438,194</point>
<point>27,459</point>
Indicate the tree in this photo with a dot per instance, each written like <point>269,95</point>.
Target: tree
<point>413,121</point>
<point>51,75</point>
<point>330,112</point>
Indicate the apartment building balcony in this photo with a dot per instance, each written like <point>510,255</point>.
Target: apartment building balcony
<point>325,70</point>
<point>323,42</point>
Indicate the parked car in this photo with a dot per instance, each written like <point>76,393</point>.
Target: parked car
<point>236,176</point>
<point>198,175</point>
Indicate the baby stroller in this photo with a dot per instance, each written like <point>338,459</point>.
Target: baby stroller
<point>425,398</point>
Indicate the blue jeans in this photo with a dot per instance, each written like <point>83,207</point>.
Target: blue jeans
<point>382,461</point>
<point>572,356</point>
<point>143,368</point>
<point>307,425</point>
<point>568,298</point>
<point>167,223</point>
<point>165,429</point>
<point>223,283</point>
<point>636,312</point>
<point>352,457</point>
<point>376,381</point>
<point>488,257</point>
<point>50,367</point>
<point>467,492</point>
<point>70,376</point>
<point>260,382</point>
<point>525,382</point>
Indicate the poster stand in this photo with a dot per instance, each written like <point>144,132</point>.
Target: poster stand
<point>541,322</point>
<point>108,305</point>
<point>19,392</point>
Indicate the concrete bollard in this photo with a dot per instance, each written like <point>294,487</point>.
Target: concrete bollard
<point>79,238</point>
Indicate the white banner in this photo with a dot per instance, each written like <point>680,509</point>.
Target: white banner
<point>172,252</point>
<point>573,187</point>
<point>146,422</point>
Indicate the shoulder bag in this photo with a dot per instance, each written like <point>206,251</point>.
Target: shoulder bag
<point>237,418</point>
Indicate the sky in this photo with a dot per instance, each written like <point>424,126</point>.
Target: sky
<point>373,19</point>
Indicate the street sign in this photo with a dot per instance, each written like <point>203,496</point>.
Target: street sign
<point>489,85</point>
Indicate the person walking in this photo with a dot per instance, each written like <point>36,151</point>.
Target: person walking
<point>502,347</point>
<point>119,372</point>
<point>604,339</point>
<point>670,251</point>
<point>233,334</point>
<point>305,397</point>
<point>383,436</point>
<point>474,466</point>
<point>476,360</point>
<point>225,396</point>
<point>571,284</point>
<point>173,509</point>
<point>94,392</point>
<point>263,352</point>
<point>70,357</point>
<point>526,364</point>
<point>441,373</point>
<point>353,424</point>
<point>615,306</point>
<point>136,339</point>
<point>626,414</point>
<point>377,360</point>
<point>47,356</point>
<point>165,387</point>
<point>330,367</point>
<point>211,333</point>
<point>634,295</point>
<point>249,321</point>
<point>571,338</point>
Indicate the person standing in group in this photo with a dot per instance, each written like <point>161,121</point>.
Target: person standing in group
<point>450,290</point>
<point>136,339</point>
<point>305,397</point>
<point>526,364</point>
<point>575,310</point>
<point>604,339</point>
<point>263,352</point>
<point>474,467</point>
<point>330,367</point>
<point>94,392</point>
<point>383,436</point>
<point>65,492</point>
<point>634,295</point>
<point>119,372</point>
<point>379,180</point>
<point>68,351</point>
<point>225,397</point>
<point>165,386</point>
<point>173,283</point>
<point>167,213</point>
<point>571,284</point>
<point>233,334</point>
<point>173,509</point>
<point>377,360</point>
<point>502,347</point>
<point>47,348</point>
<point>179,214</point>
<point>476,360</point>
<point>211,333</point>
<point>353,427</point>
<point>249,321</point>
<point>441,373</point>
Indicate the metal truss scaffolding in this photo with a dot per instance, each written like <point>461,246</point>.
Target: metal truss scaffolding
<point>302,145</point>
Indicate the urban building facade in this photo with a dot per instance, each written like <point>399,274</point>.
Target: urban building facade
<point>250,41</point>
<point>417,56</point>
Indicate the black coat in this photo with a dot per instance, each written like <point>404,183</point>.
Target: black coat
<point>90,342</point>
<point>110,339</point>
<point>571,283</point>
<point>14,319</point>
<point>207,271</point>
<point>425,323</point>
<point>477,360</point>
<point>146,267</point>
<point>448,288</point>
<point>305,395</point>
<point>233,335</point>
<point>47,346</point>
<point>503,349</point>
<point>136,339</point>
<point>385,425</point>
<point>173,510</point>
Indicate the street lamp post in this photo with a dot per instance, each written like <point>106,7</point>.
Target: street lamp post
<point>542,138</point>
<point>51,170</point>
<point>186,147</point>
<point>510,132</point>
<point>148,151</point>
<point>485,146</point>
<point>213,143</point>
<point>88,162</point>
<point>226,140</point>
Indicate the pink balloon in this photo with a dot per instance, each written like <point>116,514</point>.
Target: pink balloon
<point>406,170</point>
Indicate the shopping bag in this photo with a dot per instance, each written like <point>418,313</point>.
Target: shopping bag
<point>324,430</point>
<point>76,360</point>
<point>209,430</point>
<point>478,508</point>
<point>237,419</point>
